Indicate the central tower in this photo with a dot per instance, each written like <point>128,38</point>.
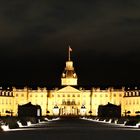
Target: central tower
<point>69,76</point>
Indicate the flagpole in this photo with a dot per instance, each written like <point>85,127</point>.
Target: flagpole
<point>69,54</point>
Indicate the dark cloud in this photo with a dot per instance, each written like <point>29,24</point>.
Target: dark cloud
<point>101,33</point>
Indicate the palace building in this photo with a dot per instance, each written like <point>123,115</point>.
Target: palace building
<point>69,99</point>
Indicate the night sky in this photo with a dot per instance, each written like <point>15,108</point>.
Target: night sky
<point>103,34</point>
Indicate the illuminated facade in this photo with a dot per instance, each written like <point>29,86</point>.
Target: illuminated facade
<point>69,99</point>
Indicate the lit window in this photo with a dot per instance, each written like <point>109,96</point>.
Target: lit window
<point>3,93</point>
<point>73,95</point>
<point>68,102</point>
<point>78,95</point>
<point>68,95</point>
<point>63,102</point>
<point>73,102</point>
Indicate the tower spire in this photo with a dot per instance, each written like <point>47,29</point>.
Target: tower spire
<point>69,76</point>
<point>69,50</point>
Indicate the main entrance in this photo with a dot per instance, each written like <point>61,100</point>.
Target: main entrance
<point>69,110</point>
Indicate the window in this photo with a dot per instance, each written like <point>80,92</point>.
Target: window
<point>68,102</point>
<point>73,102</point>
<point>3,93</point>
<point>125,94</point>
<point>73,95</point>
<point>68,95</point>
<point>78,95</point>
<point>63,95</point>
<point>63,102</point>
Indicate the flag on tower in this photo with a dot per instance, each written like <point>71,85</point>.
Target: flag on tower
<point>70,49</point>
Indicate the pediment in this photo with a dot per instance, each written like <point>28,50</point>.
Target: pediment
<point>68,89</point>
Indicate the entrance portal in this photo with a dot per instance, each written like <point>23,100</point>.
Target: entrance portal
<point>68,110</point>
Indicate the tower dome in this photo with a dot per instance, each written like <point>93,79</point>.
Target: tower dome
<point>69,76</point>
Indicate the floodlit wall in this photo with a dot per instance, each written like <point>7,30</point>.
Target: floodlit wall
<point>6,102</point>
<point>69,100</point>
<point>131,102</point>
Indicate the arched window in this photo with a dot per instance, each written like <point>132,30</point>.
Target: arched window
<point>68,102</point>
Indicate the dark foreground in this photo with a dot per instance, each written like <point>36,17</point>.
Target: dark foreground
<point>72,129</point>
